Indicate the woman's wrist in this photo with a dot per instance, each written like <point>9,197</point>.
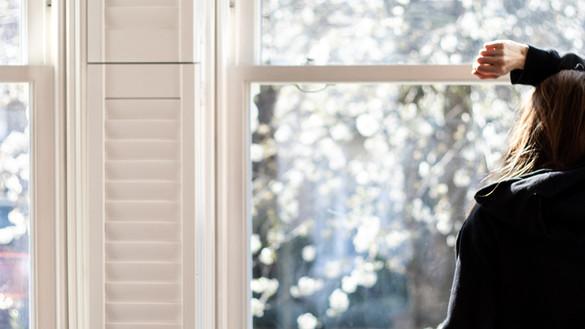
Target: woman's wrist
<point>520,54</point>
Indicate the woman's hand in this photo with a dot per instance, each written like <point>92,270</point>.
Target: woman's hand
<point>499,58</point>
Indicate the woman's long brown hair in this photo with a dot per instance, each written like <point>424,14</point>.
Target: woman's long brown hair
<point>550,131</point>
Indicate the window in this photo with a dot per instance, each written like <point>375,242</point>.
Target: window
<point>27,174</point>
<point>15,204</point>
<point>351,143</point>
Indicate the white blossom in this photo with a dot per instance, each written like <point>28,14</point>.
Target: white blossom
<point>396,238</point>
<point>255,243</point>
<point>265,286</point>
<point>338,301</point>
<point>267,256</point>
<point>309,253</point>
<point>340,132</point>
<point>16,142</point>
<point>13,184</point>
<point>366,234</point>
<point>306,286</point>
<point>256,153</point>
<point>257,307</point>
<point>367,125</point>
<point>283,134</point>
<point>5,302</point>
<point>349,284</point>
<point>7,234</point>
<point>307,321</point>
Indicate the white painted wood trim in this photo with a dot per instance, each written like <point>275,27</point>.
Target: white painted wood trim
<point>27,73</point>
<point>44,304</point>
<point>188,31</point>
<point>247,23</point>
<point>72,72</point>
<point>205,140</point>
<point>95,207</point>
<point>404,74</point>
<point>234,226</point>
<point>189,181</point>
<point>95,31</point>
<point>38,32</point>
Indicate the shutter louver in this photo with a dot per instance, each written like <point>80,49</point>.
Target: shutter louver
<point>133,265</point>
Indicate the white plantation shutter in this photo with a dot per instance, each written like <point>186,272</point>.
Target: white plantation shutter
<point>141,170</point>
<point>142,96</point>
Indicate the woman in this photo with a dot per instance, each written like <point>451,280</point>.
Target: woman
<point>521,252</point>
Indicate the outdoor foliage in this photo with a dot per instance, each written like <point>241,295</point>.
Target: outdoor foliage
<point>359,190</point>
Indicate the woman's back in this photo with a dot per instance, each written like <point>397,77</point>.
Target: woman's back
<point>521,255</point>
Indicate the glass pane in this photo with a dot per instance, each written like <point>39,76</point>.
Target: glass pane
<point>14,206</point>
<point>11,32</point>
<point>358,192</point>
<point>298,32</point>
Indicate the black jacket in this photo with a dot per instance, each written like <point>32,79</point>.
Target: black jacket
<point>540,64</point>
<point>521,255</point>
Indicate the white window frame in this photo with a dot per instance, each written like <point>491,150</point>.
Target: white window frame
<point>48,285</point>
<point>237,68</point>
<point>43,197</point>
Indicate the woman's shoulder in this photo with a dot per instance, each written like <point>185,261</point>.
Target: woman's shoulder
<point>478,234</point>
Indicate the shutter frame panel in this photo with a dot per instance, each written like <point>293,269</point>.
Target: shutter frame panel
<point>131,31</point>
<point>141,195</point>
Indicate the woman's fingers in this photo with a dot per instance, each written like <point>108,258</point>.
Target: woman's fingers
<point>498,58</point>
<point>490,60</point>
<point>492,52</point>
<point>489,69</point>
<point>497,44</point>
